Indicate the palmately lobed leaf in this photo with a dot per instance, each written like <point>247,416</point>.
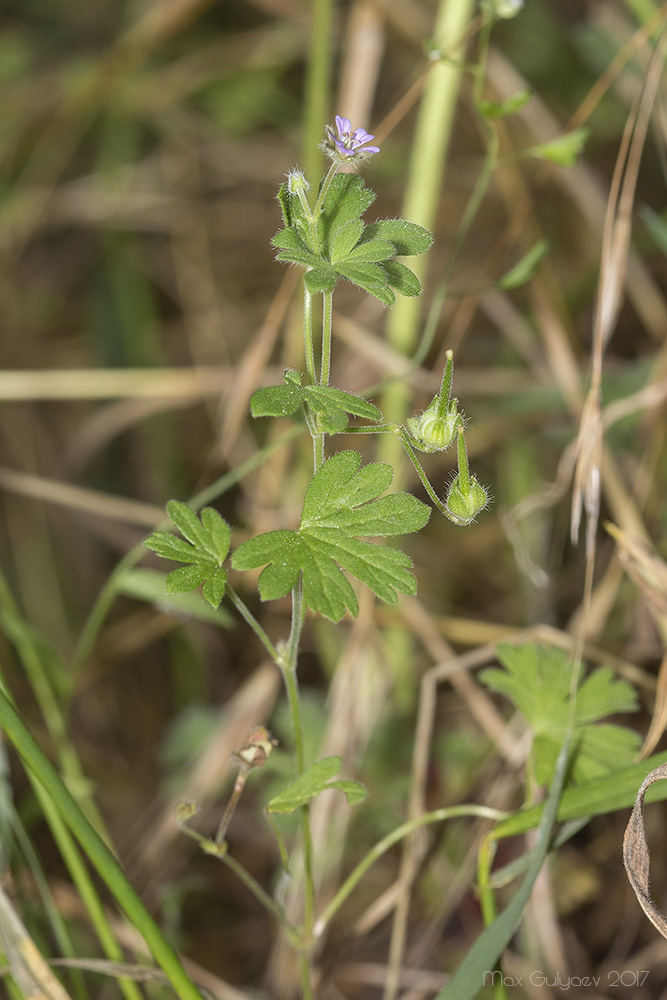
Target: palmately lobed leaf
<point>346,200</point>
<point>537,679</point>
<point>209,539</point>
<point>342,501</point>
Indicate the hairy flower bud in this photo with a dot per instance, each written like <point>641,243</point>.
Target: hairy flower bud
<point>433,430</point>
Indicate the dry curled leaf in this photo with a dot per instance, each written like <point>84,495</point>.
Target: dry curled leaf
<point>644,567</point>
<point>636,855</point>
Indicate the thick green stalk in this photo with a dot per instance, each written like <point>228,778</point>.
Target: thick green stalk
<point>318,84</point>
<point>425,172</point>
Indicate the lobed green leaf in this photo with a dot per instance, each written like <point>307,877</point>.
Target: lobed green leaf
<point>341,502</point>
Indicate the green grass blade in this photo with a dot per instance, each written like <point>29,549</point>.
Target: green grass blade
<point>96,850</point>
<point>591,798</point>
<point>466,982</point>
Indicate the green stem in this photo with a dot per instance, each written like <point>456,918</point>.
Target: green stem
<point>435,499</point>
<point>263,897</point>
<point>350,883</point>
<point>309,348</point>
<point>324,189</point>
<point>327,311</point>
<point>289,666</point>
<point>96,850</point>
<point>250,619</point>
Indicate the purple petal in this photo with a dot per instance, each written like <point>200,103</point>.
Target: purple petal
<point>361,135</point>
<point>343,125</point>
<point>342,149</point>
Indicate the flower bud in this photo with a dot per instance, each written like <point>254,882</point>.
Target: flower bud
<point>296,182</point>
<point>466,499</point>
<point>466,496</point>
<point>433,430</point>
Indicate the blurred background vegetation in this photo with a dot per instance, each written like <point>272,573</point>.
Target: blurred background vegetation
<point>141,150</point>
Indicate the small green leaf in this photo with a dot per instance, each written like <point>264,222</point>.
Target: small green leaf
<point>525,269</point>
<point>345,238</point>
<point>185,579</point>
<point>168,546</point>
<point>316,779</point>
<point>289,239</point>
<point>213,590</point>
<point>346,200</point>
<point>341,503</point>
<point>401,278</point>
<point>276,400</point>
<point>564,150</point>
<point>370,252</point>
<point>501,109</point>
<point>371,278</point>
<point>327,397</point>
<point>209,546</point>
<point>187,522</point>
<point>407,238</point>
<point>217,533</point>
<point>150,586</point>
<point>283,400</point>
<point>302,257</point>
<point>354,791</point>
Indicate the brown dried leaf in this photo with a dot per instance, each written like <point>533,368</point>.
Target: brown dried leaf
<point>636,855</point>
<point>644,566</point>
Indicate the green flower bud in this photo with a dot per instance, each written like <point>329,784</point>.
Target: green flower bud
<point>296,182</point>
<point>437,427</point>
<point>466,496</point>
<point>433,430</point>
<point>465,500</point>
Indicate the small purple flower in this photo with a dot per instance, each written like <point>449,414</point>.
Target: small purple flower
<point>343,144</point>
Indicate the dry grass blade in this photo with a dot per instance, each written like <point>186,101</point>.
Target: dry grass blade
<point>616,242</point>
<point>636,855</point>
<point>29,970</point>
<point>644,567</point>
